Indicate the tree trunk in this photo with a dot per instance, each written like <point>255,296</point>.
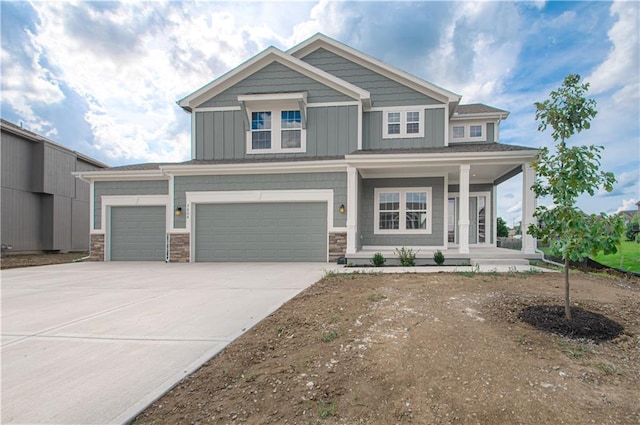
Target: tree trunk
<point>567,305</point>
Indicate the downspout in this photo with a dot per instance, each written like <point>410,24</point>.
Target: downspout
<point>546,260</point>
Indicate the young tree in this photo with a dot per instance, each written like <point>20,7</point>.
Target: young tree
<point>502,229</point>
<point>567,174</point>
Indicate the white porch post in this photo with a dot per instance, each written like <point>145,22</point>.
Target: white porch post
<point>463,221</point>
<point>528,208</point>
<point>352,209</point>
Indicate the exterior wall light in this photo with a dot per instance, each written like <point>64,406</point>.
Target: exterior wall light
<point>341,209</point>
<point>179,211</point>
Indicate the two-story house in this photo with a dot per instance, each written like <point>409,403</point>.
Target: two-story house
<point>312,154</point>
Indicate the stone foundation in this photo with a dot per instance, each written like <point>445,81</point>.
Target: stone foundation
<point>97,248</point>
<point>179,247</point>
<point>337,245</point>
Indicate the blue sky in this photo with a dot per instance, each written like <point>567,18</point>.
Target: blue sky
<point>103,77</point>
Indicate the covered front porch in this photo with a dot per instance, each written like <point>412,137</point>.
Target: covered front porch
<point>435,199</point>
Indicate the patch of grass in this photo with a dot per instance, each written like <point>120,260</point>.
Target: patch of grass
<point>376,297</point>
<point>608,368</point>
<point>329,336</point>
<point>575,350</point>
<point>627,257</point>
<point>325,410</point>
<point>252,377</point>
<point>329,273</point>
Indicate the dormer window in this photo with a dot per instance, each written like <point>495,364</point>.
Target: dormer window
<point>402,123</point>
<point>276,122</point>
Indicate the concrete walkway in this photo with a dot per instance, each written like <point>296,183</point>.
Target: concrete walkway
<point>94,343</point>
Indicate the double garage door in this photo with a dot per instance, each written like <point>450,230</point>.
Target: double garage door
<point>226,232</point>
<point>261,232</point>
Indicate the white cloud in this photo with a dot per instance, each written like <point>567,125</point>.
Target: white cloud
<point>627,205</point>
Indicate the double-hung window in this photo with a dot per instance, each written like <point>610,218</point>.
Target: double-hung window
<point>276,122</point>
<point>402,123</point>
<point>402,210</point>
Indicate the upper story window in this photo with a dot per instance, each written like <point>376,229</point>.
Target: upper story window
<point>402,123</point>
<point>468,132</point>
<point>276,122</point>
<point>402,210</point>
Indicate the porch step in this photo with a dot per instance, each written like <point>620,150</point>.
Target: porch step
<point>499,261</point>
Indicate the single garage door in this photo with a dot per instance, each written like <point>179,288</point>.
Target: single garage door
<point>138,233</point>
<point>261,232</point>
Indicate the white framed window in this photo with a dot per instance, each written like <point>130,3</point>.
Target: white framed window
<point>468,132</point>
<point>402,210</point>
<point>402,123</point>
<point>276,122</point>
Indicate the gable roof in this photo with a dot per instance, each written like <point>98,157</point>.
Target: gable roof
<point>266,57</point>
<point>322,41</point>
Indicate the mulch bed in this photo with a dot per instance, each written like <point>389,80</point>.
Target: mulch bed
<point>583,323</point>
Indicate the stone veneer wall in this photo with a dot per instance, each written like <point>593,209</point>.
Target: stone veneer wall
<point>179,247</point>
<point>97,248</point>
<point>337,245</point>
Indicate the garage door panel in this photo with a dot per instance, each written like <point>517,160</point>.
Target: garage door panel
<point>138,233</point>
<point>261,232</point>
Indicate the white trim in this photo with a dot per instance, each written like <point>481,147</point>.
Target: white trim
<point>217,109</point>
<point>445,203</point>
<point>485,115</point>
<point>446,128</point>
<point>257,168</point>
<point>272,97</point>
<point>403,111</point>
<point>391,108</point>
<point>402,230</point>
<point>360,129</point>
<point>257,196</point>
<point>352,209</point>
<point>193,136</point>
<point>332,104</point>
<point>128,201</point>
<point>463,209</point>
<point>392,248</point>
<point>108,175</point>
<point>171,198</point>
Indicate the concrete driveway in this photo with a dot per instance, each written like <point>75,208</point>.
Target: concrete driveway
<point>94,343</point>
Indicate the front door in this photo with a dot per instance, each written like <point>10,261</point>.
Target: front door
<point>479,218</point>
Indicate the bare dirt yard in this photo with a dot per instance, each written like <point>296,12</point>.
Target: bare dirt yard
<point>424,349</point>
<point>27,260</point>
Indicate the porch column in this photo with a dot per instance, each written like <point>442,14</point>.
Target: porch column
<point>352,209</point>
<point>463,220</point>
<point>528,208</point>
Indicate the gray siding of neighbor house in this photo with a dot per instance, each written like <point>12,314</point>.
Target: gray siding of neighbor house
<point>366,221</point>
<point>276,78</point>
<point>43,206</point>
<point>139,187</point>
<point>433,132</point>
<point>384,91</point>
<point>331,131</point>
<point>485,187</point>
<point>335,181</point>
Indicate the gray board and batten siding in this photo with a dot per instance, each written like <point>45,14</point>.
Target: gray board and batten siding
<point>384,91</point>
<point>276,78</point>
<point>433,132</point>
<point>366,213</point>
<point>261,232</point>
<point>336,181</point>
<point>44,207</point>
<point>331,131</point>
<point>119,188</point>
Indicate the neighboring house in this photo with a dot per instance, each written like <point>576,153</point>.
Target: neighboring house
<point>628,215</point>
<point>44,208</point>
<point>312,154</point>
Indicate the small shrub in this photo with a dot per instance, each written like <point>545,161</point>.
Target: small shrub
<point>329,336</point>
<point>406,256</point>
<point>378,260</point>
<point>376,297</point>
<point>438,257</point>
